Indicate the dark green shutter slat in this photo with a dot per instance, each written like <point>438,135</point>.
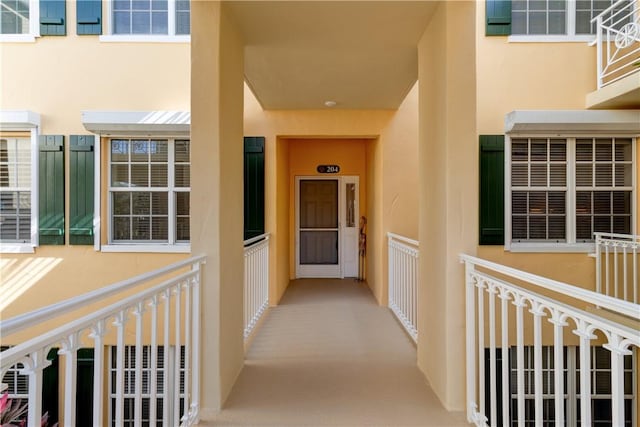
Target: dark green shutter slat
<point>498,17</point>
<point>84,390</point>
<point>50,390</point>
<point>51,189</point>
<point>491,189</point>
<point>81,183</point>
<point>89,17</point>
<point>253,186</point>
<point>53,18</point>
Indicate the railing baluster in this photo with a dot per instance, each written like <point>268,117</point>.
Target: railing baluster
<point>506,392</point>
<point>492,357</point>
<point>97,333</point>
<point>195,401</point>
<point>636,285</point>
<point>558,366</point>
<point>165,364</point>
<point>177,354</point>
<point>624,269</point>
<point>119,324</point>
<point>37,362</point>
<point>138,312</point>
<point>481,395</point>
<point>472,385</point>
<point>606,269</point>
<point>537,362</point>
<point>70,351</point>
<point>585,373</point>
<point>615,271</point>
<point>153,374</point>
<point>187,346</point>
<point>519,303</point>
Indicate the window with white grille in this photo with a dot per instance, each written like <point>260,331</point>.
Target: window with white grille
<point>553,17</point>
<point>562,190</point>
<point>600,385</point>
<point>15,190</point>
<point>151,17</point>
<point>149,190</point>
<point>129,375</point>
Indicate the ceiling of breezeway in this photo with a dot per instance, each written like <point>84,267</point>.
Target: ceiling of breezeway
<point>359,54</point>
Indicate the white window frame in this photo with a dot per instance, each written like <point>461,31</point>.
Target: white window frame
<point>570,245</point>
<point>170,37</point>
<point>34,27</point>
<point>571,35</point>
<point>166,370</point>
<point>571,395</point>
<point>172,246</point>
<point>25,121</point>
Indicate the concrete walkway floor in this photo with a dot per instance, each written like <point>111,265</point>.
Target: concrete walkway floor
<point>328,355</point>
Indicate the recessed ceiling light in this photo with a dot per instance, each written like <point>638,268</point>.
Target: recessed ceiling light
<point>330,103</point>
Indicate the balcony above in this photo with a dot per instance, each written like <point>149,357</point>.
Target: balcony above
<point>618,57</point>
<point>623,93</point>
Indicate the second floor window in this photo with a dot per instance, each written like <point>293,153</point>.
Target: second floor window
<point>558,17</point>
<point>149,190</point>
<point>14,17</point>
<point>151,17</point>
<point>15,190</point>
<point>562,190</point>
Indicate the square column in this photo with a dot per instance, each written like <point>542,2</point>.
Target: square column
<point>217,84</point>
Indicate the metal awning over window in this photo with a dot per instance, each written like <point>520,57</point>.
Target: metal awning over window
<point>137,123</point>
<point>611,122</point>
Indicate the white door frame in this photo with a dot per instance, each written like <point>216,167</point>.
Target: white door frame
<point>325,271</point>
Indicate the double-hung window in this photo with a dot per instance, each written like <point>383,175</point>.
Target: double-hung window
<point>150,18</point>
<point>19,20</point>
<point>561,17</point>
<point>15,190</point>
<point>564,189</point>
<point>149,188</point>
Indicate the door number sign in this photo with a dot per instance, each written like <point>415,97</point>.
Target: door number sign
<point>328,168</point>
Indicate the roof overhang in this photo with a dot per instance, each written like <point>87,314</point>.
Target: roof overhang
<point>18,120</point>
<point>137,123</point>
<point>625,122</point>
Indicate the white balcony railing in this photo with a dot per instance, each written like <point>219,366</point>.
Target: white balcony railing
<point>158,317</point>
<point>403,281</point>
<point>618,41</point>
<point>617,262</point>
<point>256,281</point>
<point>521,385</point>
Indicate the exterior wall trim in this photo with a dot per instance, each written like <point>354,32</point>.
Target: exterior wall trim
<point>133,123</point>
<point>573,121</point>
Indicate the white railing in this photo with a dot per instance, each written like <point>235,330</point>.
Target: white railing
<point>493,303</point>
<point>618,41</point>
<point>617,259</point>
<point>164,314</point>
<point>256,281</point>
<point>403,281</point>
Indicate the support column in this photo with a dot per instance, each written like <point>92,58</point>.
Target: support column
<point>217,195</point>
<point>448,193</point>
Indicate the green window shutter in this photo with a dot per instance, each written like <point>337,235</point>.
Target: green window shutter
<point>253,186</point>
<point>81,180</point>
<point>50,390</point>
<point>498,15</point>
<point>53,18</point>
<point>89,17</point>
<point>492,189</point>
<point>84,387</point>
<point>51,189</point>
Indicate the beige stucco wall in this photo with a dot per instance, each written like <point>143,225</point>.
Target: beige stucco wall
<point>58,77</point>
<point>448,193</point>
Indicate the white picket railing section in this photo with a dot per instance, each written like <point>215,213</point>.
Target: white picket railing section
<point>403,281</point>
<point>167,313</point>
<point>256,281</point>
<point>483,291</point>
<point>617,261</point>
<point>618,41</point>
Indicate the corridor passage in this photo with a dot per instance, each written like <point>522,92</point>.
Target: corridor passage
<point>328,355</point>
